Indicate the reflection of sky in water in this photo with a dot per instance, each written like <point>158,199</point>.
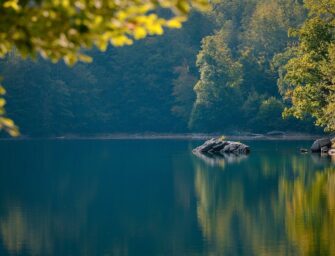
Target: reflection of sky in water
<point>157,198</point>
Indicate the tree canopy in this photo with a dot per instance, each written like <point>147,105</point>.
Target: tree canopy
<point>232,69</point>
<point>63,29</point>
<point>237,86</point>
<point>308,77</point>
<point>59,29</point>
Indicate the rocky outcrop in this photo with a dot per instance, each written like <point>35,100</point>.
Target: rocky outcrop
<point>303,150</point>
<point>324,146</point>
<point>321,145</point>
<point>219,146</point>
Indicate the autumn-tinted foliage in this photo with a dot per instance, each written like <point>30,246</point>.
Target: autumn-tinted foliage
<point>62,29</point>
<point>308,77</point>
<point>219,73</point>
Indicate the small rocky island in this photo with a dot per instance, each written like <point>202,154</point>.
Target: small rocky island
<point>220,146</point>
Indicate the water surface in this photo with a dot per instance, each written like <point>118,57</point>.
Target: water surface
<point>153,197</point>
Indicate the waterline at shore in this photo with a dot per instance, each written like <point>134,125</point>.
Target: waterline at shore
<point>174,136</point>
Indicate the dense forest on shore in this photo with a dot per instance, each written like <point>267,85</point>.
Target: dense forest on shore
<point>219,73</point>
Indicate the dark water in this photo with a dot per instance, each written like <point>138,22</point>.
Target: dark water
<point>156,198</point>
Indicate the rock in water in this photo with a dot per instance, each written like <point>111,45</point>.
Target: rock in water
<point>207,146</point>
<point>220,146</point>
<point>324,150</point>
<point>319,144</point>
<point>303,150</point>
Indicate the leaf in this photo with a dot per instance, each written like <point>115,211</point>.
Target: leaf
<point>139,33</point>
<point>121,40</point>
<point>2,90</point>
<point>13,4</point>
<point>174,24</point>
<point>2,102</point>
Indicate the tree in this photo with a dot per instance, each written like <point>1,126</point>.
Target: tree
<point>252,32</point>
<point>307,79</point>
<point>63,29</point>
<point>183,92</point>
<point>217,94</point>
<point>125,89</point>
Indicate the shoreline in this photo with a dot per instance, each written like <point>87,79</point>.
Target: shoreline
<point>177,136</point>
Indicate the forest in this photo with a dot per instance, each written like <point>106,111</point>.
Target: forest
<point>243,66</point>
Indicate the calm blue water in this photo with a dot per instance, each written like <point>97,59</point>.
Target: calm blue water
<point>153,197</point>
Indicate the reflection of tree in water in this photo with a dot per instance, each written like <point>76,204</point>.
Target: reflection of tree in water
<point>309,201</point>
<point>16,233</point>
<point>47,205</point>
<point>271,206</point>
<point>96,202</point>
<point>230,224</point>
<point>21,232</point>
<point>38,223</point>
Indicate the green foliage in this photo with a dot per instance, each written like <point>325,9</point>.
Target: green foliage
<point>62,29</point>
<point>237,87</point>
<point>6,123</point>
<point>270,109</point>
<point>220,77</point>
<point>126,89</point>
<point>183,92</point>
<point>307,78</point>
<point>154,84</point>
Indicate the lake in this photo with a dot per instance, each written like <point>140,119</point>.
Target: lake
<point>154,197</point>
